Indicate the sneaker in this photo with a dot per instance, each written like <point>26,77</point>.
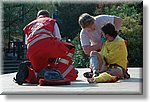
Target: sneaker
<point>90,80</point>
<point>88,74</point>
<point>22,74</point>
<point>126,75</point>
<point>96,74</point>
<point>76,71</point>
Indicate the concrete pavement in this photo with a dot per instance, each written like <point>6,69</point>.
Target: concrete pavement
<point>134,85</point>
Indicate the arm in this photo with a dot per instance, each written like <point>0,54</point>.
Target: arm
<point>118,22</point>
<point>86,43</point>
<point>87,48</point>
<point>56,31</point>
<point>26,39</point>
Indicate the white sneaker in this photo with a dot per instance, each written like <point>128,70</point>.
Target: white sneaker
<point>90,80</point>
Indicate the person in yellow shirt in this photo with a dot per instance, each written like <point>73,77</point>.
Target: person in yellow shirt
<point>110,63</point>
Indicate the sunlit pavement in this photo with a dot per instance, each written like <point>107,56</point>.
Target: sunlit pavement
<point>134,85</point>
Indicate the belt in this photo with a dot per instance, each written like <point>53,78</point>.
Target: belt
<point>114,66</point>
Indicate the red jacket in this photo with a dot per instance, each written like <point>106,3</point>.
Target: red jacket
<point>42,25</point>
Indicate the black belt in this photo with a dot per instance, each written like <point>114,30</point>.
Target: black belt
<point>114,66</point>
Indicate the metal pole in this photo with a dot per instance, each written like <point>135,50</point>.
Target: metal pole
<point>9,32</point>
<point>23,22</point>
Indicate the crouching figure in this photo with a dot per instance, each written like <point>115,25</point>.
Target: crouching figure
<point>45,51</point>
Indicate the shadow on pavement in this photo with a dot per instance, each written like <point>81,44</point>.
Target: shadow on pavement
<point>133,80</point>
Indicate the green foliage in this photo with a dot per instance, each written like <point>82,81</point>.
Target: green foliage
<point>68,22</point>
<point>132,28</point>
<point>80,59</point>
<point>134,33</point>
<point>68,17</point>
<point>17,15</point>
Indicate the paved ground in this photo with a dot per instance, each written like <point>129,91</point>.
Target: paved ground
<point>134,85</point>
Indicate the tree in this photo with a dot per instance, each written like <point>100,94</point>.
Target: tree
<point>17,15</point>
<point>132,27</point>
<point>68,22</point>
<point>69,14</point>
<point>80,59</point>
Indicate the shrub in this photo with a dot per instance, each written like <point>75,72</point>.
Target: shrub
<point>80,59</point>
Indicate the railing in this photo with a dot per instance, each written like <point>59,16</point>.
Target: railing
<point>15,50</point>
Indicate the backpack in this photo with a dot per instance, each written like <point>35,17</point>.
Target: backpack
<point>52,77</point>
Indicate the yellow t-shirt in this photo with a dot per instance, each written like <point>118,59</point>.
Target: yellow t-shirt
<point>115,52</point>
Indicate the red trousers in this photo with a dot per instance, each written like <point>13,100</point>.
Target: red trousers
<point>40,53</point>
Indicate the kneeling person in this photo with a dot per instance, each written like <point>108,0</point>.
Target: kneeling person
<point>43,48</point>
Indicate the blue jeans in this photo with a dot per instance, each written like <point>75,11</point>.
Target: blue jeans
<point>94,63</point>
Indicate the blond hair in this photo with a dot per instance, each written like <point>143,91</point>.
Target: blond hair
<point>86,20</point>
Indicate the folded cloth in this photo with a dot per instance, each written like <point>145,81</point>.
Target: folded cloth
<point>105,78</point>
<point>44,82</point>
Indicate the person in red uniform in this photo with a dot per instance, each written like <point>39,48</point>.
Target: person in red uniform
<point>44,45</point>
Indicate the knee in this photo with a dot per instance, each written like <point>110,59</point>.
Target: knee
<point>116,72</point>
<point>93,53</point>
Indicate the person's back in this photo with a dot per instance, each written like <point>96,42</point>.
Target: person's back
<point>42,27</point>
<point>100,20</point>
<point>43,20</point>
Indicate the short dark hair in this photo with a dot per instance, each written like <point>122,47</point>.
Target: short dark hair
<point>43,12</point>
<point>110,29</point>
